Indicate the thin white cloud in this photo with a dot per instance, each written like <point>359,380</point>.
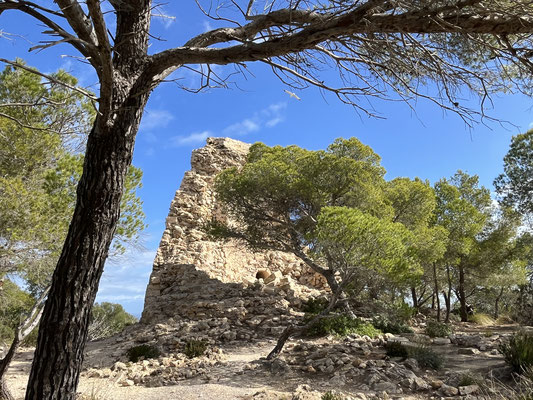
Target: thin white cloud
<point>207,26</point>
<point>531,125</point>
<point>243,128</point>
<point>193,138</point>
<point>153,119</point>
<point>267,117</point>
<point>273,122</point>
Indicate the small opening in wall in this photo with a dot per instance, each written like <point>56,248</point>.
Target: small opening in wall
<point>262,274</point>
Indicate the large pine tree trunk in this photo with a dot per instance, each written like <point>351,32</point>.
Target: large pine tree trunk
<point>63,331</point>
<point>124,89</point>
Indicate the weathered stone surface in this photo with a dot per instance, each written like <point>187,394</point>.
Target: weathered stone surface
<point>196,278</point>
<point>470,389</point>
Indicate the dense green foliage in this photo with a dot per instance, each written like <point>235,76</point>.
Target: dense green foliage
<point>315,305</point>
<point>424,355</point>
<point>331,208</point>
<point>387,325</point>
<point>14,303</point>
<point>42,135</point>
<point>330,395</point>
<point>42,131</point>
<point>342,325</point>
<point>518,351</point>
<point>396,349</point>
<point>195,348</point>
<point>514,185</point>
<point>437,329</point>
<point>143,351</point>
<point>373,240</point>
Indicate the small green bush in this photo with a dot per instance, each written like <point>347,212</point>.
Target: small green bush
<point>195,348</point>
<point>426,357</point>
<point>437,329</point>
<point>342,325</point>
<point>144,350</point>
<point>402,312</point>
<point>108,319</point>
<point>396,349</point>
<point>386,325</point>
<point>481,319</point>
<point>468,379</point>
<point>332,396</point>
<point>315,305</point>
<point>518,352</point>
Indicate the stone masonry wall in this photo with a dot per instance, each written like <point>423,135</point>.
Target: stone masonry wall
<point>194,277</point>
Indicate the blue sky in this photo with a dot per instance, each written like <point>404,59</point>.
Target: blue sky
<point>427,142</point>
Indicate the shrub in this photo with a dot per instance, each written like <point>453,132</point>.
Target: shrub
<point>15,303</point>
<point>504,320</point>
<point>144,350</point>
<point>402,312</point>
<point>315,305</point>
<point>468,379</point>
<point>426,357</point>
<point>342,325</point>
<point>396,349</point>
<point>332,396</point>
<point>386,325</point>
<point>481,319</point>
<point>518,352</point>
<point>108,319</point>
<point>437,329</point>
<point>195,348</point>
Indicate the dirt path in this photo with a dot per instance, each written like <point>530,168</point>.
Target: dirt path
<point>240,376</point>
<point>229,381</point>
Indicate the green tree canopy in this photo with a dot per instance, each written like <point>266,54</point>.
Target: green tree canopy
<point>515,185</point>
<point>463,209</point>
<point>42,129</point>
<point>296,200</point>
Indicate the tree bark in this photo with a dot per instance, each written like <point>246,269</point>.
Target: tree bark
<point>415,298</point>
<point>436,289</point>
<point>497,304</point>
<point>462,295</point>
<point>447,296</point>
<point>63,332</point>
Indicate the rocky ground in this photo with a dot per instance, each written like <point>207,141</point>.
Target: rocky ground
<point>355,366</point>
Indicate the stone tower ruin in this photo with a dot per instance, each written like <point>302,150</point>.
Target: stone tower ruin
<point>194,277</point>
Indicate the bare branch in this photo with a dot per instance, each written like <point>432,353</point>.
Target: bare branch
<point>105,72</point>
<point>29,8</point>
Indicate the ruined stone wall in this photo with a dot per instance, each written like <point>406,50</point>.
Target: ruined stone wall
<point>190,270</point>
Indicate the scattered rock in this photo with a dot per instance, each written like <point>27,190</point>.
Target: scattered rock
<point>470,389</point>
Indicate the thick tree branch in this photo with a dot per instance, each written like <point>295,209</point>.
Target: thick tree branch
<point>85,48</point>
<point>105,72</point>
<point>78,21</point>
<point>329,28</point>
